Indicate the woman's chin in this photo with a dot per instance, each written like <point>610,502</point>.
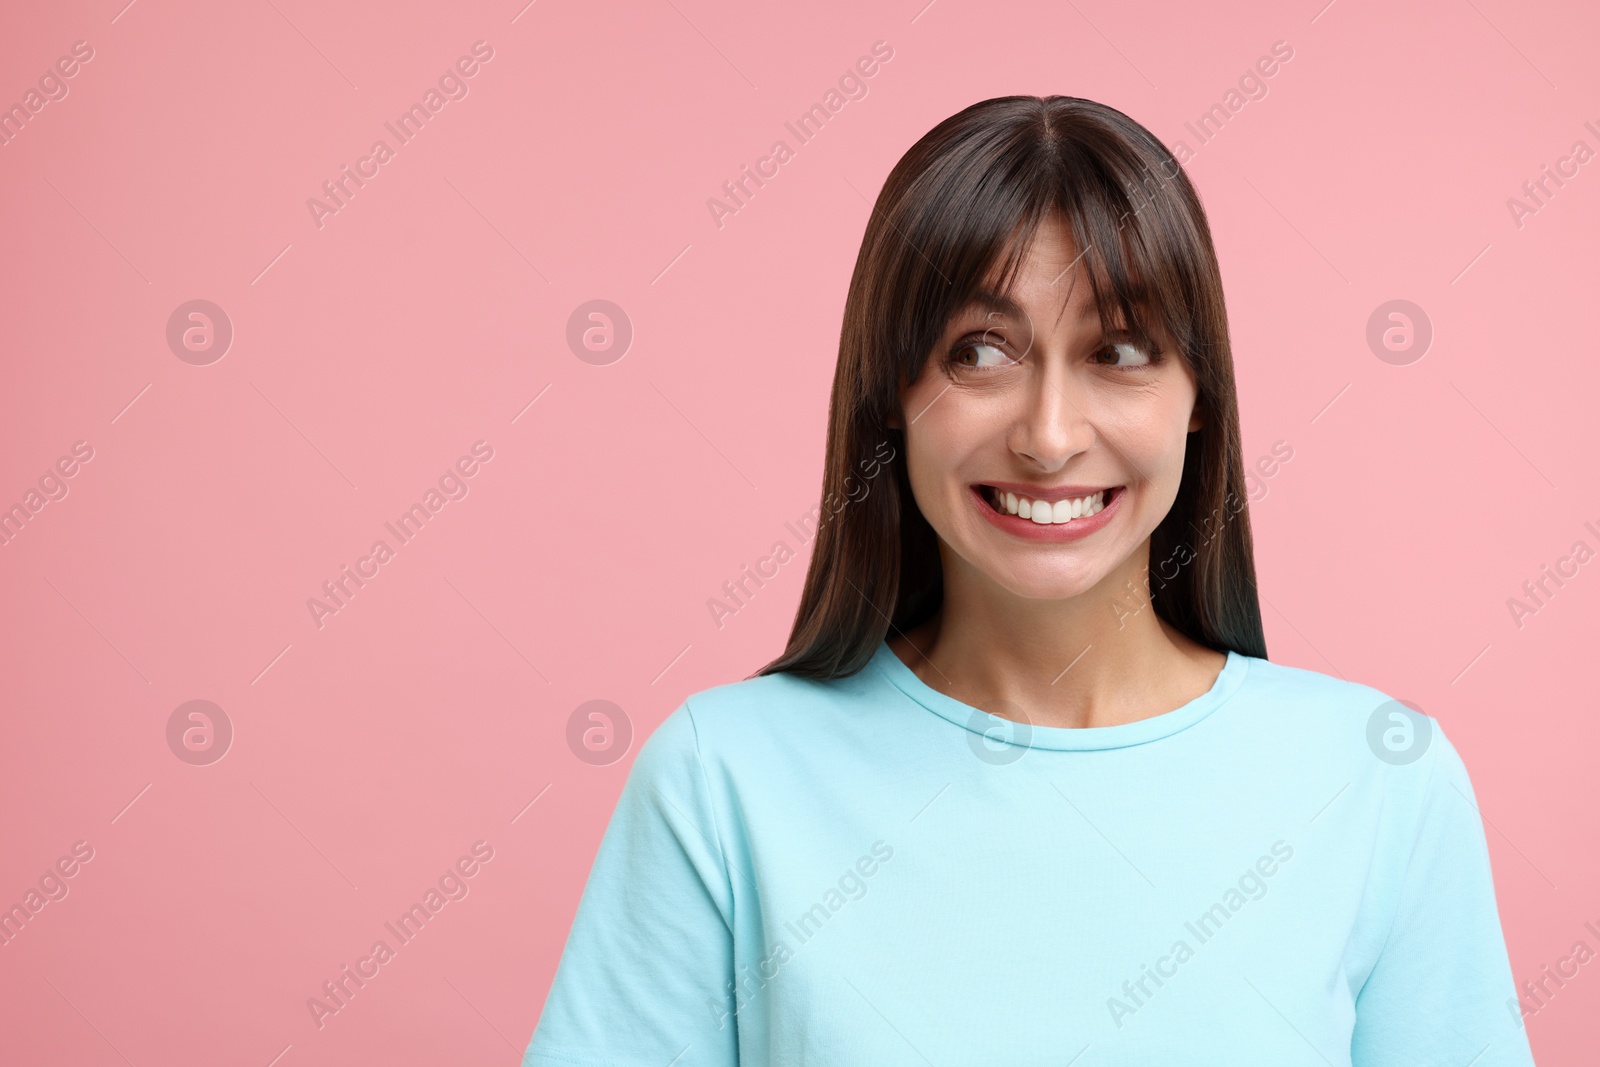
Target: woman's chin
<point>1033,583</point>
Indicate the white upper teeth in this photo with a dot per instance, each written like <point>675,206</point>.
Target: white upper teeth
<point>1044,512</point>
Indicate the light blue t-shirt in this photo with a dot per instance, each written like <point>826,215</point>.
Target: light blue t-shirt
<point>1290,869</point>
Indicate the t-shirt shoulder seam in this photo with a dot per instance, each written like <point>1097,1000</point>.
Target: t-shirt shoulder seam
<point>1433,759</point>
<point>711,806</point>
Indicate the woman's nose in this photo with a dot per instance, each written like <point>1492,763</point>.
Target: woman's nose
<point>1053,425</point>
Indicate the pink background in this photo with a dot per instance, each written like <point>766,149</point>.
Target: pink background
<point>372,352</point>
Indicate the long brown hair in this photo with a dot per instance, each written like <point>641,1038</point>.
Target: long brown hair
<point>973,190</point>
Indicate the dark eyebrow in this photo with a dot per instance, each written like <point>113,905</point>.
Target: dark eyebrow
<point>989,300</point>
<point>986,300</point>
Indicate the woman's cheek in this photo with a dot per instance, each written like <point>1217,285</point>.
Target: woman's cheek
<point>921,468</point>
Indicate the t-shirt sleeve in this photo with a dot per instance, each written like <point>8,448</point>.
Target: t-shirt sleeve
<point>1441,991</point>
<point>645,977</point>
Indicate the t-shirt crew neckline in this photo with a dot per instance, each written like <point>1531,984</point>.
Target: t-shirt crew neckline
<point>1083,738</point>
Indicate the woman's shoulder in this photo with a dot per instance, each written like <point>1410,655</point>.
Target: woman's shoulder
<point>1331,717</point>
<point>774,698</point>
<point>768,713</point>
<point>1311,689</point>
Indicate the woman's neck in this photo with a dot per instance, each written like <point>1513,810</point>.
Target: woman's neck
<point>1100,658</point>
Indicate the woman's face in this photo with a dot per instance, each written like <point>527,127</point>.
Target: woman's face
<point>1021,411</point>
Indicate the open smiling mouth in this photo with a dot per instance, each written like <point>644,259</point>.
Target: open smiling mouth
<point>1064,512</point>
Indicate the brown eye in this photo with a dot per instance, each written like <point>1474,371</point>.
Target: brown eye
<point>1127,354</point>
<point>979,355</point>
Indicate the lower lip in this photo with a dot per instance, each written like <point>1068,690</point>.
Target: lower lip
<point>1039,531</point>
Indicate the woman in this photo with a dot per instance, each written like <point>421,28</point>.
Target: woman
<point>1024,788</point>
